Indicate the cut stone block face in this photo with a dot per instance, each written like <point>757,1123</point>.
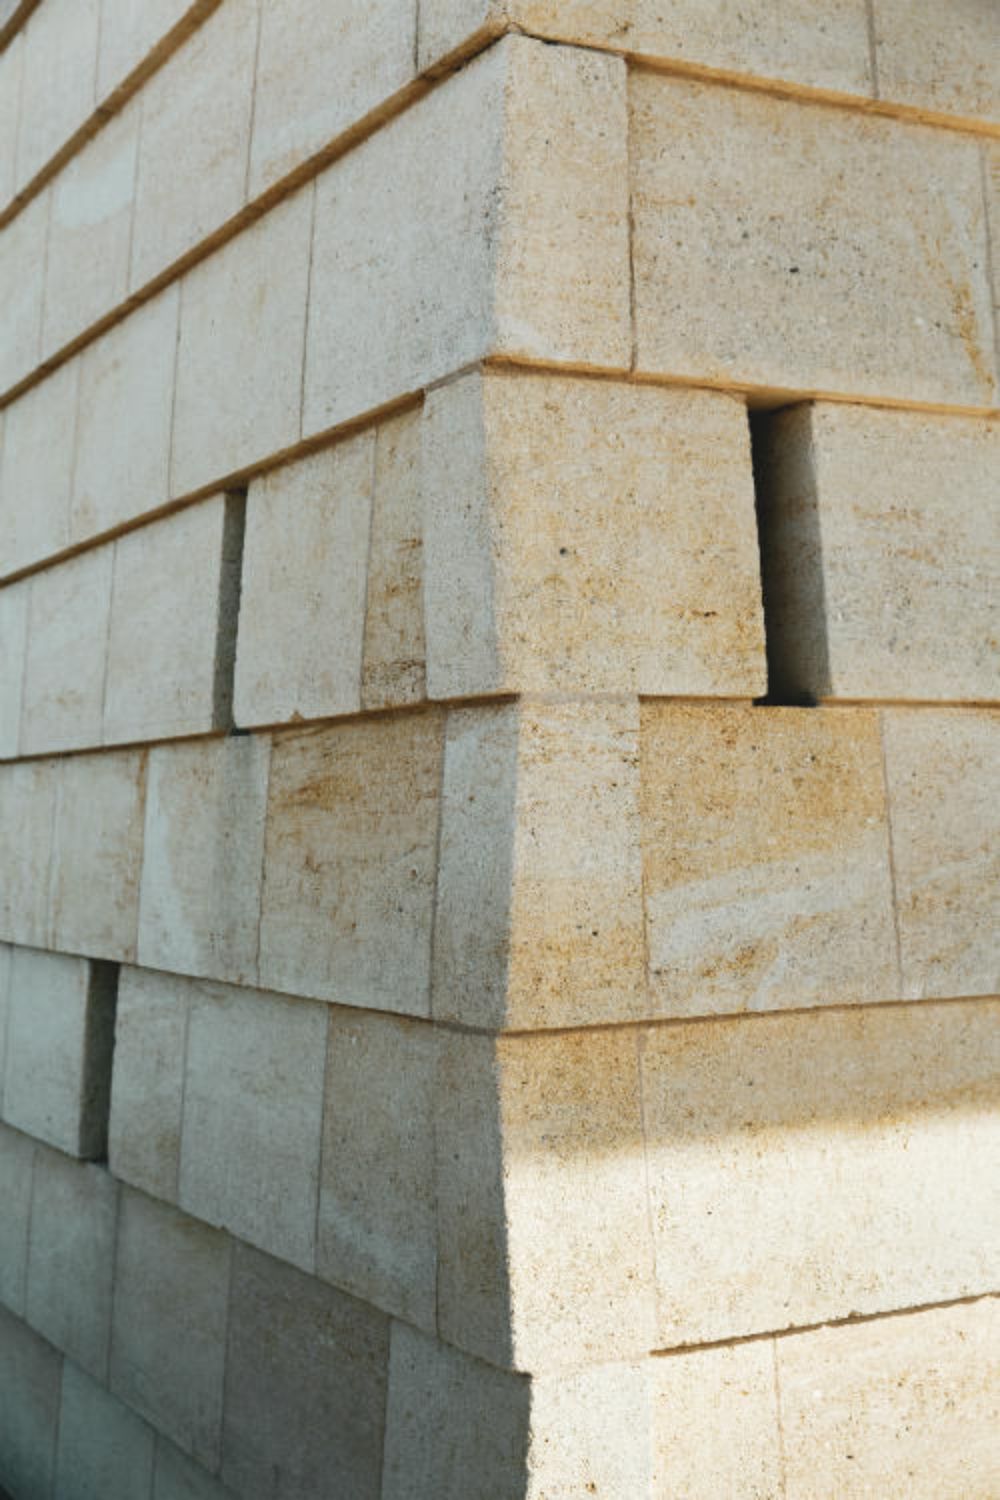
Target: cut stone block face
<point>178,1477</point>
<point>939,58</point>
<point>60,1034</point>
<point>765,859</point>
<point>147,1092</point>
<point>202,858</point>
<point>11,64</point>
<point>27,805</point>
<point>742,269</point>
<point>131,31</point>
<point>105,1450</point>
<point>586,536</point>
<point>37,467</point>
<point>97,854</point>
<point>881,545</point>
<point>66,656</point>
<point>22,271</point>
<point>17,1158</point>
<point>60,80</point>
<point>30,1375</point>
<point>943,770</point>
<point>13,646</point>
<point>349,864</point>
<point>393,670</point>
<point>715,1424</point>
<point>770,1141</point>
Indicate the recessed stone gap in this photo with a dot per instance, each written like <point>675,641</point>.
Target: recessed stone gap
<point>230,583</point>
<point>98,1060</point>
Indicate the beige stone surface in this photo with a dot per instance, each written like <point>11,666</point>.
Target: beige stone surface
<point>349,863</point>
<point>59,84</point>
<point>13,647</point>
<point>36,469</point>
<point>806,1168</point>
<point>310,1415</point>
<point>66,658</point>
<point>17,1159</point>
<point>105,1451</point>
<point>942,58</point>
<point>393,671</point>
<point>302,608</point>
<point>30,1372</point>
<point>177,1477</point>
<point>904,1408</point>
<point>765,859</point>
<point>131,31</point>
<point>203,855</point>
<point>147,1088</point>
<point>539,904</point>
<point>27,804</point>
<point>239,360</point>
<point>589,536</point>
<point>11,65</point>
<point>253,1111</point>
<point>321,67</point>
<point>590,1435</point>
<point>743,271</point>
<point>715,1424</point>
<point>943,772</point>
<point>168,1342</point>
<point>22,271</point>
<point>377,1227</point>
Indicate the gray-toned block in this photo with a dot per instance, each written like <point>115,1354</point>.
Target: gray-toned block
<point>17,1158</point>
<point>27,806</point>
<point>105,1450</point>
<point>30,1373</point>
<point>177,1477</point>
<point>36,466</point>
<point>13,644</point>
<point>147,1088</point>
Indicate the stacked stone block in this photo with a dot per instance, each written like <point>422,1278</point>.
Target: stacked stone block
<point>499,779</point>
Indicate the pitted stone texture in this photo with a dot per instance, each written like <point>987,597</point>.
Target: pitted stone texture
<point>147,1089</point>
<point>881,543</point>
<point>939,57</point>
<point>943,770</point>
<point>66,658</point>
<point>13,647</point>
<point>539,902</point>
<point>30,1375</point>
<point>22,273</point>
<point>17,1158</point>
<point>765,859</point>
<point>715,1424</point>
<point>350,860</point>
<point>27,806</point>
<point>36,468</point>
<point>393,671</point>
<point>807,1168</point>
<point>58,89</point>
<point>743,271</point>
<point>105,1450</point>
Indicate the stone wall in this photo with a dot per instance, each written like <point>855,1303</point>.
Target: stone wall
<point>500,793</point>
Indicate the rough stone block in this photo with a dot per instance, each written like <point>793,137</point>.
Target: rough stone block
<point>30,1375</point>
<point>309,1415</point>
<point>743,271</point>
<point>940,58</point>
<point>943,771</point>
<point>302,607</point>
<point>239,360</point>
<point>13,646</point>
<point>591,1435</point>
<point>253,1116</point>
<point>105,1450</point>
<point>22,273</point>
<point>60,1035</point>
<point>811,1167</point>
<point>766,866</point>
<point>350,860</point>
<point>27,804</point>
<point>377,1227</point>
<point>178,1477</point>
<point>539,900</point>
<point>17,1156</point>
<point>394,665</point>
<point>37,467</point>
<point>203,855</point>
<point>147,1089</point>
<point>589,536</point>
<point>58,88</point>
<point>131,30</point>
<point>71,1258</point>
<point>715,1424</point>
<point>168,1342</point>
<point>66,656</point>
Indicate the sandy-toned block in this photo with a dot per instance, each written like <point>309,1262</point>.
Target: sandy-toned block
<point>743,271</point>
<point>105,1450</point>
<point>514,240</point>
<point>590,1434</point>
<point>349,863</point>
<point>97,854</point>
<point>941,58</point>
<point>177,1477</point>
<point>66,658</point>
<point>715,1424</point>
<point>302,607</point>
<point>36,468</point>
<point>806,1168</point>
<point>903,1408</point>
<point>17,1157</point>
<point>58,89</point>
<point>393,669</point>
<point>765,859</point>
<point>880,536</point>
<point>585,536</point>
<point>22,271</point>
<point>253,1115</point>
<point>13,645</point>
<point>27,807</point>
<point>30,1374</point>
<point>312,1412</point>
<point>239,360</point>
<point>131,31</point>
<point>377,1227</point>
<point>60,1035</point>
<point>168,1340</point>
<point>147,1088</point>
<point>943,770</point>
<point>203,855</point>
<point>539,902</point>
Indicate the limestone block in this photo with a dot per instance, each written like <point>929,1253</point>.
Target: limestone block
<point>11,64</point>
<point>22,272</point>
<point>539,901</point>
<point>66,655</point>
<point>765,859</point>
<point>321,67</point>
<point>742,268</point>
<point>589,536</point>
<point>131,31</point>
<point>203,854</point>
<point>941,59</point>
<point>30,1374</point>
<point>309,1416</point>
<point>881,544</point>
<point>377,1228</point>
<point>991,174</point>
<point>302,609</point>
<point>545,1255</point>
<point>173,602</point>
<point>105,1450</point>
<point>715,1424</point>
<point>195,110</point>
<point>393,671</point>
<point>36,470</point>
<point>147,1089</point>
<point>60,1034</point>
<point>71,1258</point>
<point>126,389</point>
<point>350,860</point>
<point>58,89</point>
<point>27,804</point>
<point>13,646</point>
<point>86,272</point>
<point>809,1167</point>
<point>97,854</point>
<point>903,1408</point>
<point>177,1477</point>
<point>17,1157</point>
<point>514,240</point>
<point>943,772</point>
<point>253,1113</point>
<point>591,1435</point>
<point>239,361</point>
<point>169,1326</point>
